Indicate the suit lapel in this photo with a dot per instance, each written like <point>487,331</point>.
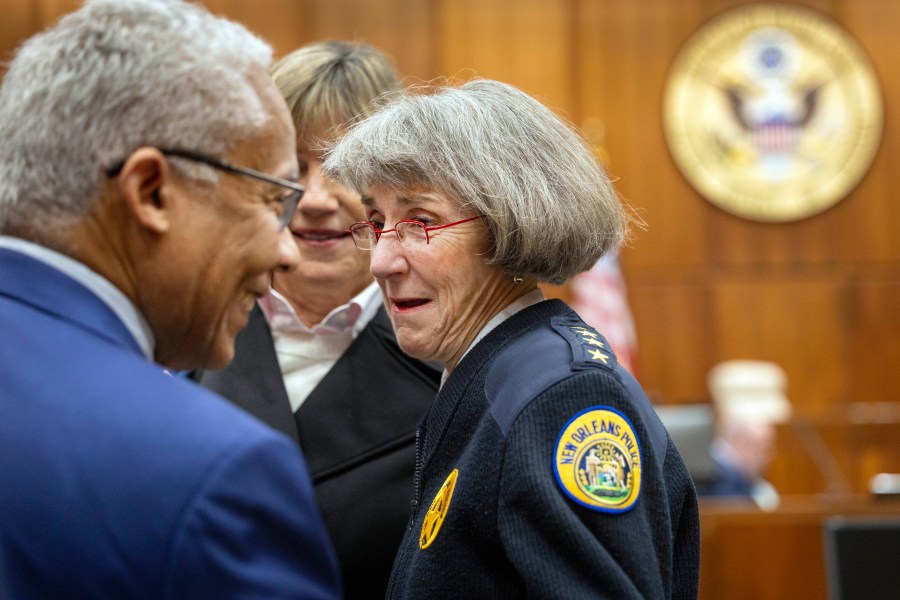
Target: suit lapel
<point>344,421</point>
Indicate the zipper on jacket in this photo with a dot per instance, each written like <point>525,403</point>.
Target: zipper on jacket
<point>417,477</point>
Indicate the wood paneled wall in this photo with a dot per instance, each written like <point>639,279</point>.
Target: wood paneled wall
<point>819,296</point>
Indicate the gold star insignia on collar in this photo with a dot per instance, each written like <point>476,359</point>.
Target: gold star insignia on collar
<point>584,332</point>
<point>593,342</point>
<point>597,355</point>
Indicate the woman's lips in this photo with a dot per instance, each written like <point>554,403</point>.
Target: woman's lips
<point>320,235</point>
<point>404,304</point>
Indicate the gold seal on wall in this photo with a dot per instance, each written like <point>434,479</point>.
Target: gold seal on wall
<point>772,112</point>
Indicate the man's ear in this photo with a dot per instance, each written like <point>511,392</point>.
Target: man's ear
<point>145,185</point>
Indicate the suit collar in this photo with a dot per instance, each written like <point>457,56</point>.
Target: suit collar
<point>49,290</point>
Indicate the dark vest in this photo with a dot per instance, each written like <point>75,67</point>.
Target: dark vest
<point>357,433</point>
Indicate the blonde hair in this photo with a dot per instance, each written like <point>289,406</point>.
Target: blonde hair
<point>328,85</point>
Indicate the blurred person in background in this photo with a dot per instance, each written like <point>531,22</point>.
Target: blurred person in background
<point>749,400</point>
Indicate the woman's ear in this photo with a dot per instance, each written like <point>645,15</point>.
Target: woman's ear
<point>143,184</point>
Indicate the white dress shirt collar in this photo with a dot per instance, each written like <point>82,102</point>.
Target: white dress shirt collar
<point>352,316</point>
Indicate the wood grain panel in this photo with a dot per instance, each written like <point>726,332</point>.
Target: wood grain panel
<point>738,242</point>
<point>794,322</point>
<point>525,43</point>
<point>282,23</point>
<point>870,217</point>
<point>404,29</point>
<point>871,320</point>
<point>673,352</point>
<point>625,49</point>
<point>751,555</point>
<point>838,451</point>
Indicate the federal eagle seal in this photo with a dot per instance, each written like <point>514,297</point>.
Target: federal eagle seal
<point>598,460</point>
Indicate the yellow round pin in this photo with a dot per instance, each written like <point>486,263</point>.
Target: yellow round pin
<point>434,518</point>
<point>598,460</point>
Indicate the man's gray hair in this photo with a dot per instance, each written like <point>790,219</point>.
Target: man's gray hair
<point>551,209</point>
<point>107,79</point>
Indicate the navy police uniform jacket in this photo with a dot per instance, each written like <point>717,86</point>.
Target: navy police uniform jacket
<point>119,481</point>
<point>544,472</point>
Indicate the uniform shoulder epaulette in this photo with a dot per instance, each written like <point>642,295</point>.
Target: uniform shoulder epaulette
<point>590,349</point>
<point>533,362</point>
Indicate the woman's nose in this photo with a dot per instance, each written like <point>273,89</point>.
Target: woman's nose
<point>288,253</point>
<point>319,197</point>
<point>388,257</point>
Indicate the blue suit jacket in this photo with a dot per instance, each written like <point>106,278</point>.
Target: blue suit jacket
<point>119,481</point>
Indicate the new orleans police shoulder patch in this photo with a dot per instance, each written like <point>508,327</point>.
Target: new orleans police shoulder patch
<point>437,512</point>
<point>598,460</point>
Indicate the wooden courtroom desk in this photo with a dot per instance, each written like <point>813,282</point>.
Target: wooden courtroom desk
<point>748,554</point>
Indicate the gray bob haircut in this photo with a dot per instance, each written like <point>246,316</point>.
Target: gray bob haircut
<point>112,77</point>
<point>551,210</point>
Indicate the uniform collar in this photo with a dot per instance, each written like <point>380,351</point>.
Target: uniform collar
<point>522,302</point>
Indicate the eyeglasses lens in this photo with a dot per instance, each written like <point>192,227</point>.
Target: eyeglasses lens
<point>411,233</point>
<point>363,235</point>
<point>289,207</point>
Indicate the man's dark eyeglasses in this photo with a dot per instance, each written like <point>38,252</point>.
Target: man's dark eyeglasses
<point>289,201</point>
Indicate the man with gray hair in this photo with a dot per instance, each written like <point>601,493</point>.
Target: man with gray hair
<point>146,176</point>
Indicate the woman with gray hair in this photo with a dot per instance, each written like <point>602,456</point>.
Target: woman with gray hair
<point>474,195</point>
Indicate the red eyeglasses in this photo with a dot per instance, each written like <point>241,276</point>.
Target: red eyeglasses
<point>410,233</point>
